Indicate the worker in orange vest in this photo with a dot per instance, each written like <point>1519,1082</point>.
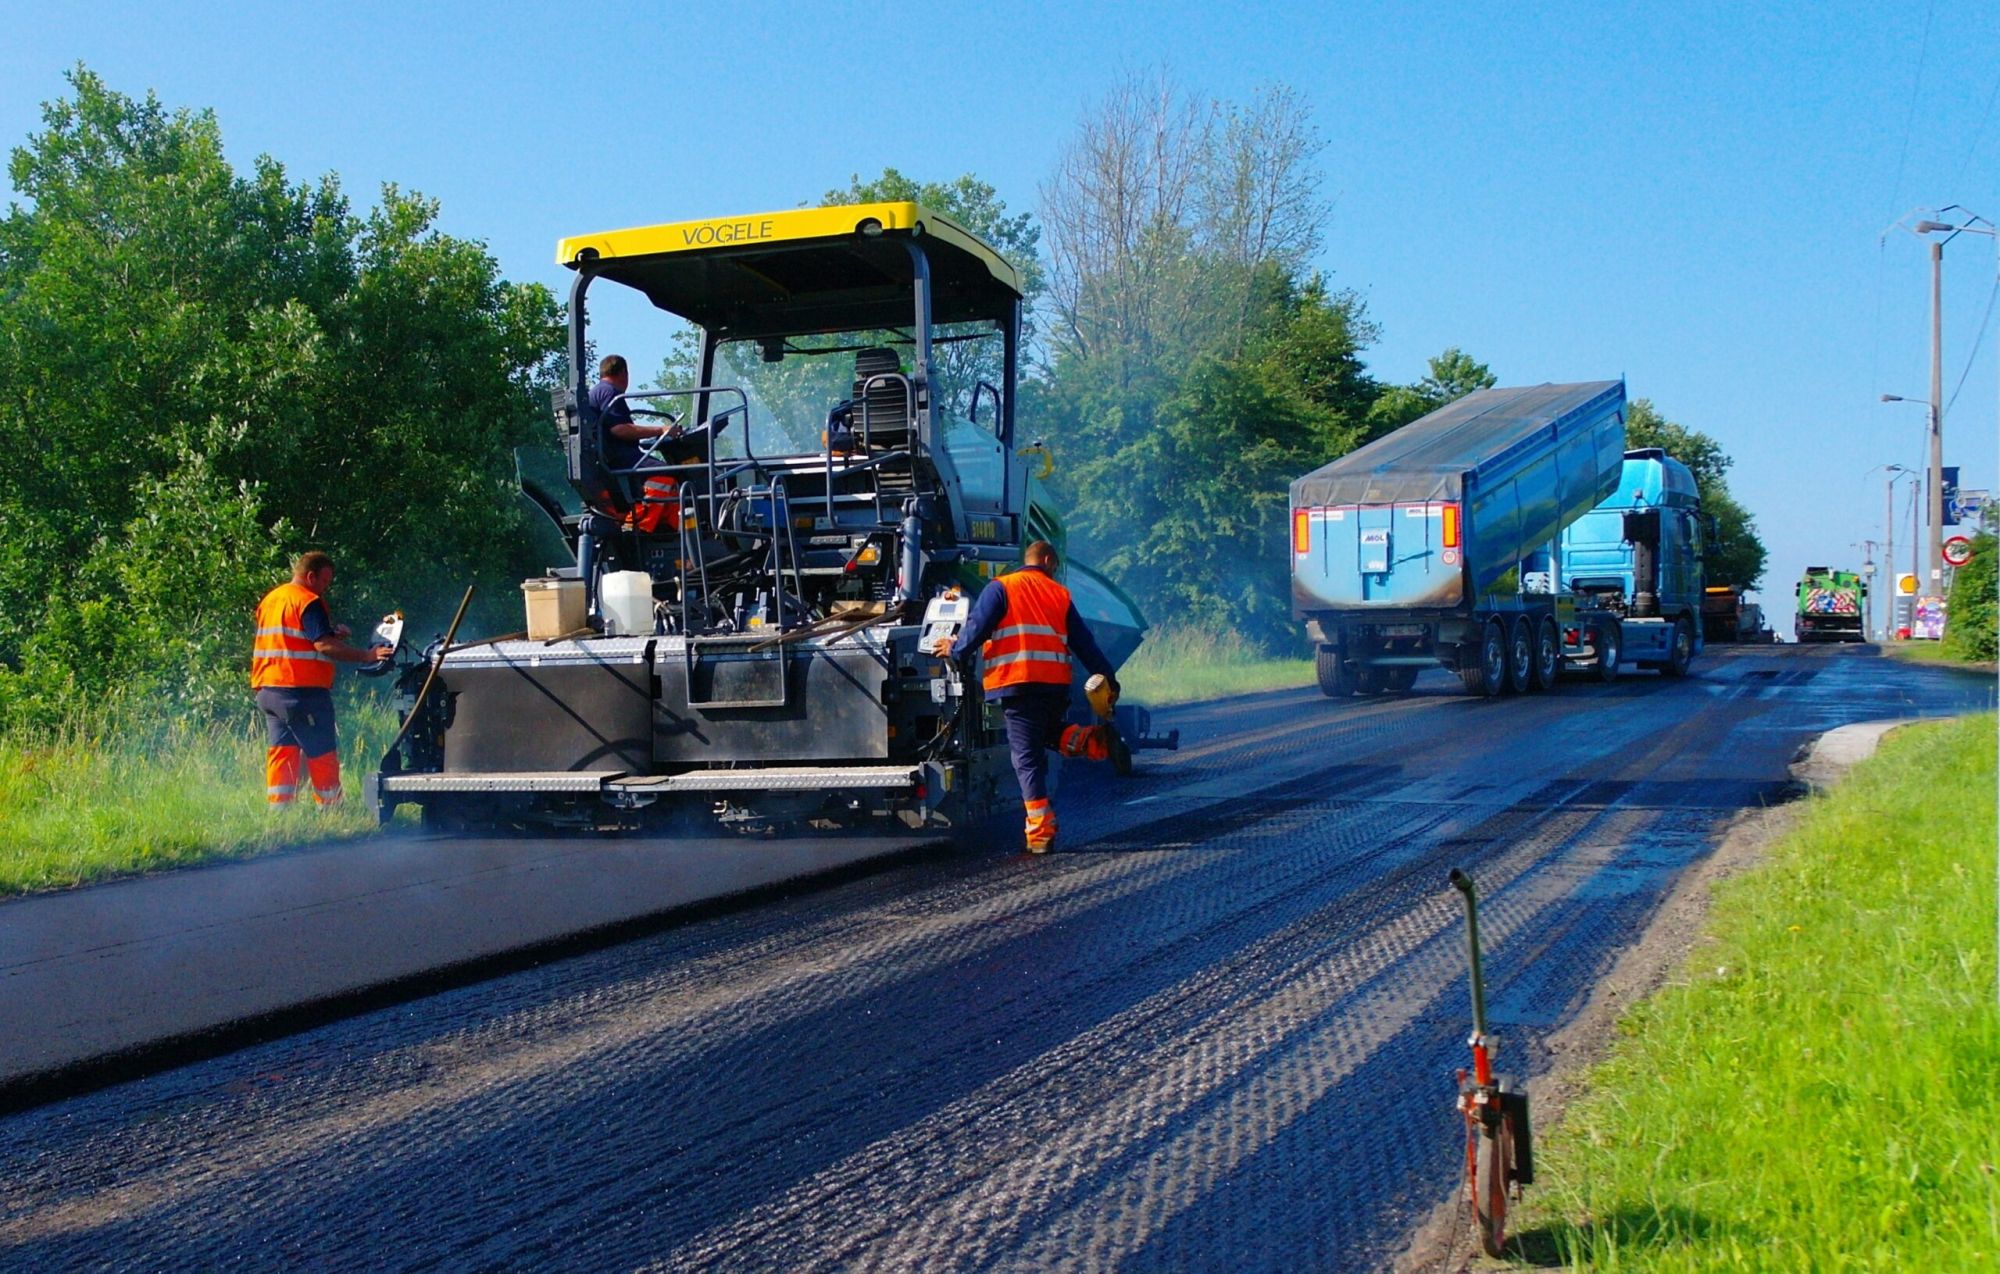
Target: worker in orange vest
<point>291,669</point>
<point>1026,630</point>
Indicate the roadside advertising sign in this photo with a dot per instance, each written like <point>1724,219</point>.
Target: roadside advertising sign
<point>1948,486</point>
<point>1906,584</point>
<point>1929,625</point>
<point>1957,551</point>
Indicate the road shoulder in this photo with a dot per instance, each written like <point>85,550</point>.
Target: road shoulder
<point>1444,1243</point>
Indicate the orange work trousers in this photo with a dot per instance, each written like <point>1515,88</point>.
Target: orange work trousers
<point>282,774</point>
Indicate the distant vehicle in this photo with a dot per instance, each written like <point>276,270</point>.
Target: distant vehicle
<point>1830,605</point>
<point>1721,612</point>
<point>1506,536</point>
<point>1753,629</point>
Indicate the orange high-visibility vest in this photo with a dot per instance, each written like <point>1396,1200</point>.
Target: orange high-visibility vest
<point>1032,643</point>
<point>282,655</point>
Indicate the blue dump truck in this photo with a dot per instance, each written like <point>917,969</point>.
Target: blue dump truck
<point>1508,536</point>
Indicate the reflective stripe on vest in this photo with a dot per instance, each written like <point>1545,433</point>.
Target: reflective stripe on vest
<point>282,656</point>
<point>1032,644</point>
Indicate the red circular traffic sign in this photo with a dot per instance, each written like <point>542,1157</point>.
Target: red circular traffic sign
<point>1957,551</point>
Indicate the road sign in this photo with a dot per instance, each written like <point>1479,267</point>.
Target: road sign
<point>1906,584</point>
<point>1957,551</point>
<point>1965,507</point>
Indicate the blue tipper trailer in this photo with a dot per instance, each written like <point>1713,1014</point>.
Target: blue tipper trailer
<point>1442,544</point>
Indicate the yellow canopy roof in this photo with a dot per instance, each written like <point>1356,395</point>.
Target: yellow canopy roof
<point>802,269</point>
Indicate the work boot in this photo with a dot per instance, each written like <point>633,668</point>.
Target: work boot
<point>1041,829</point>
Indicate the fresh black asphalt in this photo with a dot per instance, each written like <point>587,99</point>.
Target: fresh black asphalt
<point>1216,1031</point>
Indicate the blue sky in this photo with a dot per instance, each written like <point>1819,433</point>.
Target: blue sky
<point>1688,195</point>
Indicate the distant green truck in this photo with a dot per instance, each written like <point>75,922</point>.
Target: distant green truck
<point>1831,606</point>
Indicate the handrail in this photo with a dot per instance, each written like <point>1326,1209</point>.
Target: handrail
<point>716,424</point>
<point>909,413</point>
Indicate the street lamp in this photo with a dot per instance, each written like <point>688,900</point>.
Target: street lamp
<point>1950,230</point>
<point>1893,473</point>
<point>1868,573</point>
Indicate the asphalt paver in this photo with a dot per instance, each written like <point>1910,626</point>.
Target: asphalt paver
<point>1215,1030</point>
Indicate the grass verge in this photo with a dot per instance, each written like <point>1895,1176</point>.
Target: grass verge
<point>1932,652</point>
<point>1181,665</point>
<point>84,803</point>
<point>1817,1092</point>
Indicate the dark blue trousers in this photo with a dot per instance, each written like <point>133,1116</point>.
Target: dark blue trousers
<point>1034,720</point>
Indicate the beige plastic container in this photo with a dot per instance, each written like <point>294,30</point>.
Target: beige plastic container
<point>555,606</point>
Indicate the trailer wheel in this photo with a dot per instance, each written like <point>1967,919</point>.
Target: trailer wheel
<point>1485,674</point>
<point>1548,654</point>
<point>1334,681</point>
<point>1520,655</point>
<point>1682,654</point>
<point>1368,681</point>
<point>1608,651</point>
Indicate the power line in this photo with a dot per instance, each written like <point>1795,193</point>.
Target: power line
<point>1978,134</point>
<point>1978,343</point>
<point>1896,189</point>
<point>1916,95</point>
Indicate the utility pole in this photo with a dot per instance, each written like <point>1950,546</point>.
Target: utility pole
<point>1930,580</point>
<point>1889,553</point>
<point>1934,481</point>
<point>1870,574</point>
<point>1891,475</point>
<point>1965,221</point>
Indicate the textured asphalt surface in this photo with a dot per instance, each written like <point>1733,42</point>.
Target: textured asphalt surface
<point>1216,1031</point>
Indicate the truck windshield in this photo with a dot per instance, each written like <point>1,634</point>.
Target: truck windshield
<point>792,383</point>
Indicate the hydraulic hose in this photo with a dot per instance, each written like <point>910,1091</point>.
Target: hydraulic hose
<point>436,664</point>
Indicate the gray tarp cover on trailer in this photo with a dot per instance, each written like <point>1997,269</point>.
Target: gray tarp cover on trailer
<point>1429,458</point>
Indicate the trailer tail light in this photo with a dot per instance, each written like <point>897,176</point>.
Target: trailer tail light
<point>1301,532</point>
<point>1450,528</point>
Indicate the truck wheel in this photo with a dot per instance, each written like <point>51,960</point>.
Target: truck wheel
<point>1520,655</point>
<point>1334,681</point>
<point>1368,681</point>
<point>1397,681</point>
<point>1485,674</point>
<point>1548,654</point>
<point>1682,654</point>
<point>1608,651</point>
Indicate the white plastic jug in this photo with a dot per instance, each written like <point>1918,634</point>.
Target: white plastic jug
<point>627,598</point>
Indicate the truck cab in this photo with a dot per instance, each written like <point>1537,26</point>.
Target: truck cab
<point>1641,547</point>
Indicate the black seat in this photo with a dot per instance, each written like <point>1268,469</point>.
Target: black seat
<point>882,409</point>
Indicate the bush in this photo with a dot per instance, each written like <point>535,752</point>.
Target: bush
<point>1970,619</point>
<point>209,371</point>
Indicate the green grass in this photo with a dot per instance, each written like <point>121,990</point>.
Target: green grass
<point>83,804</point>
<point>1930,652</point>
<point>92,802</point>
<point>1181,665</point>
<point>1822,1090</point>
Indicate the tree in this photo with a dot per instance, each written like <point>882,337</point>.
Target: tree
<point>1969,623</point>
<point>1736,555</point>
<point>208,371</point>
<point>1448,377</point>
<point>1193,364</point>
<point>973,203</point>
